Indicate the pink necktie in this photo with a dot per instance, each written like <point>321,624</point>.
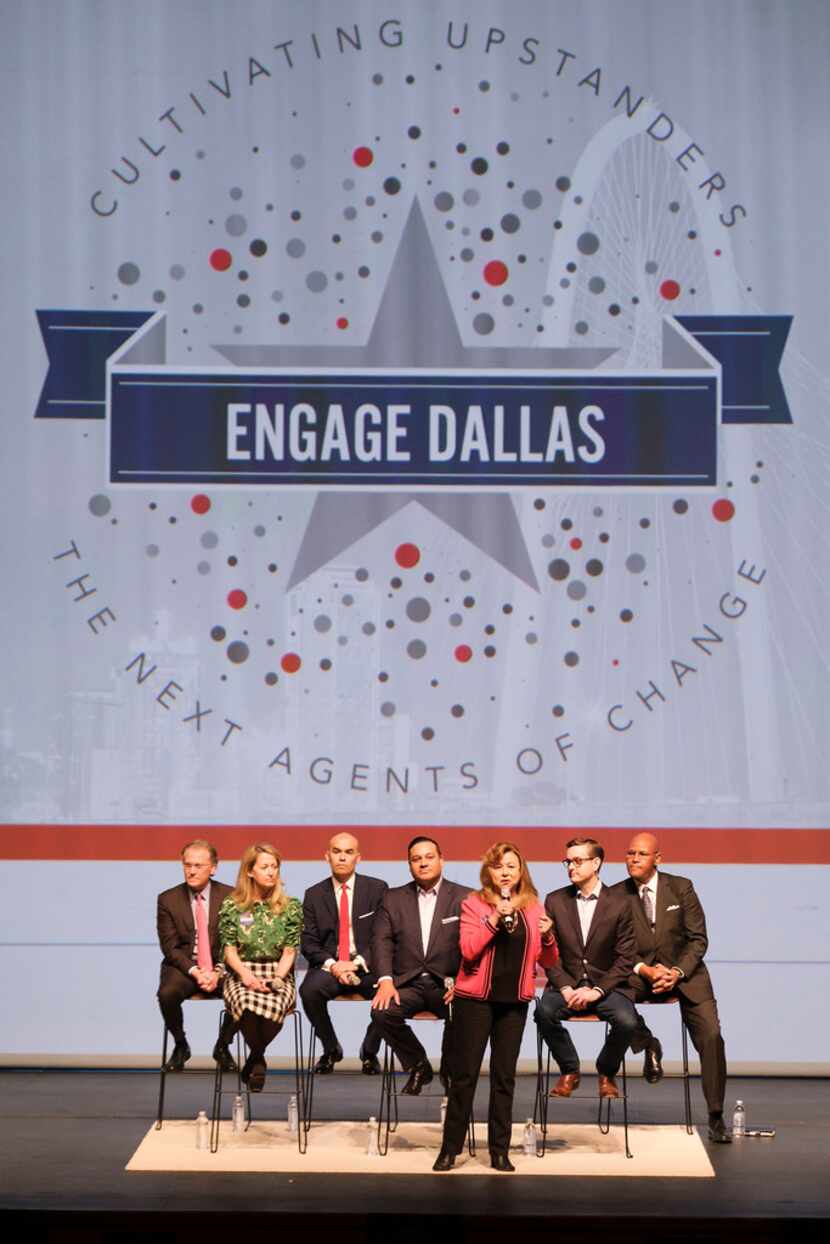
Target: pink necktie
<point>203,956</point>
<point>343,940</point>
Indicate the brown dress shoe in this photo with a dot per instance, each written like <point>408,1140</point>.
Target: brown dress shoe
<point>607,1087</point>
<point>565,1085</point>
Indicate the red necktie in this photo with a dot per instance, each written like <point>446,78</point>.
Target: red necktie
<point>203,957</point>
<point>343,939</point>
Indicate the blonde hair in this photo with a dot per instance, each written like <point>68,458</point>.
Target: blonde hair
<point>244,893</point>
<point>526,891</point>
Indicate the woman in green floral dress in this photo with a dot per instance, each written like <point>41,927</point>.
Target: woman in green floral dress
<point>259,929</point>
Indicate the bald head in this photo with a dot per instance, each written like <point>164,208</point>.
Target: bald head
<point>642,857</point>
<point>343,856</point>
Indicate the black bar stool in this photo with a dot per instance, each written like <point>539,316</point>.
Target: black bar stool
<point>163,1074</point>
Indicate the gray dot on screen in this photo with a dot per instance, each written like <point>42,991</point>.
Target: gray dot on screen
<point>238,652</point>
<point>208,539</point>
<point>532,199</point>
<point>152,550</point>
<point>177,272</point>
<point>587,243</point>
<point>259,530</point>
<point>444,201</point>
<point>368,628</point>
<point>298,161</point>
<point>128,273</point>
<point>531,638</point>
<point>547,301</point>
<point>99,505</point>
<point>510,223</point>
<point>467,254</point>
<point>322,623</point>
<point>342,640</point>
<point>236,225</point>
<point>581,327</point>
<point>159,295</point>
<point>416,649</point>
<point>295,248</point>
<point>483,324</point>
<point>277,295</point>
<point>387,708</point>
<point>456,619</point>
<point>548,541</point>
<point>471,197</point>
<point>596,285</point>
<point>348,599</point>
<point>316,281</point>
<point>635,562</point>
<point>576,590</point>
<point>348,184</point>
<point>651,266</point>
<point>572,659</point>
<point>376,236</point>
<point>236,193</point>
<point>508,300</point>
<point>418,609</point>
<point>361,574</point>
<point>203,567</point>
<point>349,213</point>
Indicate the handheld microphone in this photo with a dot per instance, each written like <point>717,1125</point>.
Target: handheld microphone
<point>509,920</point>
<point>449,981</point>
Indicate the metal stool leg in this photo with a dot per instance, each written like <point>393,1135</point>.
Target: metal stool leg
<point>299,1078</point>
<point>162,1079</point>
<point>687,1091</point>
<point>540,1107</point>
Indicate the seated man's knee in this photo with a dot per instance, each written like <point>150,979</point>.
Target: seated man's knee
<point>549,1007</point>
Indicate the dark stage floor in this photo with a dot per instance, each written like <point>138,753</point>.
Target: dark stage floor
<point>67,1135</point>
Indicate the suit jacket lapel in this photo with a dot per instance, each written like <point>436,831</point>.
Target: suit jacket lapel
<point>573,915</point>
<point>601,902</point>
<point>330,902</point>
<point>645,933</point>
<point>664,896</point>
<point>443,902</point>
<point>187,909</point>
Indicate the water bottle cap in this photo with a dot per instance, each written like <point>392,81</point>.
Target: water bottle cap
<point>530,1122</point>
<point>739,1102</point>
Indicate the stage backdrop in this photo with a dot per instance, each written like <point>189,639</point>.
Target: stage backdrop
<point>414,415</point>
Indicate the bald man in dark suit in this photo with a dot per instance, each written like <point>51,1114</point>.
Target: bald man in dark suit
<point>182,973</point>
<point>416,954</point>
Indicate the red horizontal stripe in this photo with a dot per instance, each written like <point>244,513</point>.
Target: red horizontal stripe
<point>727,845</point>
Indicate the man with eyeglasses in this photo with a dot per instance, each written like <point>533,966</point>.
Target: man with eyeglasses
<point>595,936</point>
<point>187,921</point>
<point>670,930</point>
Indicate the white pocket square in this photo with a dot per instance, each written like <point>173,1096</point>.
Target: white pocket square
<point>674,907</point>
<point>365,915</point>
<point>449,919</point>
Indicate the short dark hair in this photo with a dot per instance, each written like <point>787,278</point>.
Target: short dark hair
<point>423,838</point>
<point>204,845</point>
<point>597,849</point>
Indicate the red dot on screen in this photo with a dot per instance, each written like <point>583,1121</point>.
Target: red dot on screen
<point>290,663</point>
<point>407,555</point>
<point>723,510</point>
<point>237,599</point>
<point>495,272</point>
<point>670,290</point>
<point>342,322</point>
<point>200,504</point>
<point>576,543</point>
<point>456,111</point>
<point>615,662</point>
<point>463,652</point>
<point>220,259</point>
<point>363,156</point>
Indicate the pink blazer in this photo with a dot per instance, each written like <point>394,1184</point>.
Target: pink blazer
<point>478,950</point>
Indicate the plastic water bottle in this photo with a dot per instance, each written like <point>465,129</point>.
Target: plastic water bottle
<point>202,1133</point>
<point>443,1110</point>
<point>293,1115</point>
<point>529,1139</point>
<point>238,1116</point>
<point>739,1119</point>
<point>372,1139</point>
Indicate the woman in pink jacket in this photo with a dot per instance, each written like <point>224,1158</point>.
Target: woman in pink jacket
<point>505,931</point>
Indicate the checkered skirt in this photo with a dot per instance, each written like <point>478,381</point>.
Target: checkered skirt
<point>274,1006</point>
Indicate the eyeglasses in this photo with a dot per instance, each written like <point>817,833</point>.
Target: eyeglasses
<point>639,855</point>
<point>576,861</point>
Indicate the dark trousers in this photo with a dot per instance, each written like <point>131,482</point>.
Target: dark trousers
<point>174,989</point>
<point>474,1023</point>
<point>318,989</point>
<point>701,1019</point>
<point>425,993</point>
<point>614,1008</point>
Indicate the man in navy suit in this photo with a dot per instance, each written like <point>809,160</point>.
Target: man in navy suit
<point>670,931</point>
<point>415,952</point>
<point>338,915</point>
<point>188,967</point>
<point>595,936</point>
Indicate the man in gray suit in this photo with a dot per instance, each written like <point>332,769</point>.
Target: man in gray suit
<point>670,931</point>
<point>188,967</point>
<point>416,953</point>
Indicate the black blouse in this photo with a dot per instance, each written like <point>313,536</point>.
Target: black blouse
<point>507,962</point>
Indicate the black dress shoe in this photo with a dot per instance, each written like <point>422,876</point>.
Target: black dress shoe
<point>420,1075</point>
<point>256,1075</point>
<point>653,1063</point>
<point>369,1065</point>
<point>501,1162</point>
<point>325,1063</point>
<point>223,1056</point>
<point>180,1055</point>
<point>717,1130</point>
<point>445,1161</point>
